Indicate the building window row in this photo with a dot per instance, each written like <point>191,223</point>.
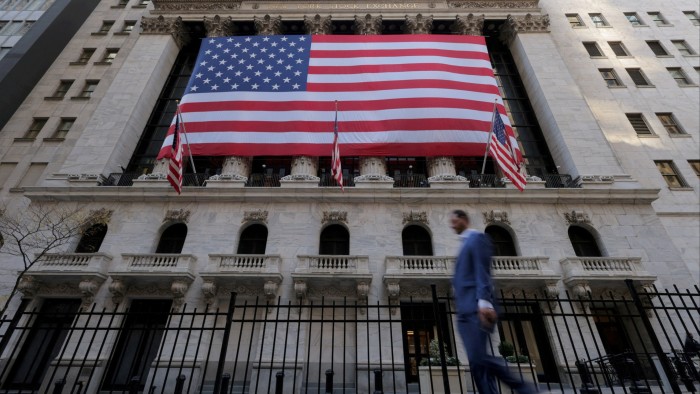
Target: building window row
<point>656,17</point>
<point>64,86</point>
<point>620,50</point>
<point>138,3</point>
<point>14,28</point>
<point>613,80</point>
<point>672,176</point>
<point>667,120</point>
<point>25,5</point>
<point>37,125</point>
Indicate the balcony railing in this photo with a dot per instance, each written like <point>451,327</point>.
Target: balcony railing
<point>245,263</point>
<point>411,180</point>
<point>421,265</point>
<point>263,180</point>
<point>327,180</point>
<point>560,181</point>
<point>160,263</point>
<point>604,269</point>
<point>486,180</point>
<point>127,179</point>
<point>72,262</point>
<point>330,264</point>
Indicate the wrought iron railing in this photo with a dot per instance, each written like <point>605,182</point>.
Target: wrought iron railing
<point>560,181</point>
<point>328,181</point>
<point>263,180</point>
<point>486,180</point>
<point>411,180</point>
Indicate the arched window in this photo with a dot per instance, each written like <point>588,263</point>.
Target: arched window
<point>583,242</point>
<point>335,240</point>
<point>416,241</point>
<point>172,239</point>
<point>92,239</point>
<point>503,244</point>
<point>253,240</point>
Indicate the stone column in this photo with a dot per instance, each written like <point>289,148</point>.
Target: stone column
<point>418,24</point>
<point>118,121</point>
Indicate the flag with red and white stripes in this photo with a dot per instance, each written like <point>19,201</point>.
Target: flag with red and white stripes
<point>402,95</point>
<point>501,149</point>
<point>336,168</point>
<point>175,163</point>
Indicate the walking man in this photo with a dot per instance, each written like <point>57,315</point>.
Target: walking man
<point>475,312</point>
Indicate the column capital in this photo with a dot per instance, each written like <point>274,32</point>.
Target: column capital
<point>529,23</point>
<point>318,24</point>
<point>218,26</point>
<point>368,25</point>
<point>418,24</point>
<point>470,25</point>
<point>161,25</point>
<point>268,25</point>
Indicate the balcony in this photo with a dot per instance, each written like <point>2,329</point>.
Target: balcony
<point>520,272</point>
<point>257,273</point>
<point>332,272</point>
<point>586,274</point>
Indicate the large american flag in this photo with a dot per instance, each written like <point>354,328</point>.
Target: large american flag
<point>501,149</point>
<point>402,95</point>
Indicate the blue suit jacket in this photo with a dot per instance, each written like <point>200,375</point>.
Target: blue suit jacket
<point>472,277</point>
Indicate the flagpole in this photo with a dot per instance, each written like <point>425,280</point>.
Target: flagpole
<point>184,132</point>
<point>488,141</point>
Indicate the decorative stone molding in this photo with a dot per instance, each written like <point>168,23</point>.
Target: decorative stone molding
<point>393,290</point>
<point>300,290</point>
<point>318,24</point>
<point>195,5</point>
<point>368,25</point>
<point>179,289</point>
<point>529,23</point>
<point>99,216</point>
<point>255,216</point>
<point>469,25</point>
<point>28,286</point>
<point>574,217</point>
<point>493,4</point>
<point>373,169</point>
<point>270,289</point>
<point>495,216</point>
<point>86,178</point>
<point>362,295</point>
<point>335,216</point>
<point>415,217</point>
<point>440,166</point>
<point>162,25</point>
<point>218,27</point>
<point>268,25</point>
<point>88,288</point>
<point>303,169</point>
<point>177,215</point>
<point>551,292</point>
<point>235,171</point>
<point>418,24</point>
<point>209,290</point>
<point>118,289</point>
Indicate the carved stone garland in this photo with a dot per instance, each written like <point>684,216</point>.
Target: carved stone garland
<point>574,217</point>
<point>415,217</point>
<point>335,216</point>
<point>492,217</point>
<point>255,216</point>
<point>177,215</point>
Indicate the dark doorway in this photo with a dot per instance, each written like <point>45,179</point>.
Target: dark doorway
<point>335,240</point>
<point>416,241</point>
<point>253,240</point>
<point>419,327</point>
<point>173,239</point>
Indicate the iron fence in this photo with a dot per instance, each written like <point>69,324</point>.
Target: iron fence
<point>624,342</point>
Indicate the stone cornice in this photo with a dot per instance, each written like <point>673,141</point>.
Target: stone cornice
<point>195,5</point>
<point>351,195</point>
<point>498,4</point>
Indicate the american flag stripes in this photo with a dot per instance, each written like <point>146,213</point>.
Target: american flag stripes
<point>501,149</point>
<point>175,163</point>
<point>336,169</point>
<point>403,95</point>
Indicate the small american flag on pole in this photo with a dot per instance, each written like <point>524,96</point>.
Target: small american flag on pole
<point>175,163</point>
<point>336,170</point>
<point>501,150</point>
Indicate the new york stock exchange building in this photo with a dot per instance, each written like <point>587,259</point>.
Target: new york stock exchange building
<point>281,268</point>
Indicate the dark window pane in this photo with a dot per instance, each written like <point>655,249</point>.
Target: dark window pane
<point>253,240</point>
<point>416,241</point>
<point>583,242</point>
<point>335,240</point>
<point>173,239</point>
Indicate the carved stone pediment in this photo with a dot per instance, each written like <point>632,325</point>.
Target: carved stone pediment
<point>177,215</point>
<point>496,216</point>
<point>255,216</point>
<point>415,217</point>
<point>334,216</point>
<point>574,217</point>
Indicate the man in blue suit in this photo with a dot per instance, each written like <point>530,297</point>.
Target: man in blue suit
<point>476,315</point>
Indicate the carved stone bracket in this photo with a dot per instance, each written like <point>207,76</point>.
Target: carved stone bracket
<point>470,25</point>
<point>574,217</point>
<point>28,286</point>
<point>177,215</point>
<point>209,290</point>
<point>218,27</point>
<point>162,25</point>
<point>529,23</point>
<point>88,288</point>
<point>418,24</point>
<point>393,290</point>
<point>415,217</point>
<point>179,288</point>
<point>362,295</point>
<point>270,290</point>
<point>492,217</point>
<point>301,290</point>
<point>195,6</point>
<point>508,4</point>
<point>268,25</point>
<point>255,216</point>
<point>368,25</point>
<point>118,289</point>
<point>552,293</point>
<point>335,216</point>
<point>318,24</point>
<point>582,291</point>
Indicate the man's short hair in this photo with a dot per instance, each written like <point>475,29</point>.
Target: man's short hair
<point>461,214</point>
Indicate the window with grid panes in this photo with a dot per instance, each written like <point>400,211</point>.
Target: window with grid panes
<point>25,27</point>
<point>128,26</point>
<point>574,20</point>
<point>618,48</point>
<point>610,77</point>
<point>2,25</point>
<point>63,127</point>
<point>683,47</point>
<point>692,17</point>
<point>658,18</point>
<point>110,55</point>
<point>106,26</point>
<point>695,165</point>
<point>639,124</point>
<point>670,173</point>
<point>657,48</point>
<point>638,77</point>
<point>670,124</point>
<point>633,18</point>
<point>598,20</point>
<point>122,3</point>
<point>85,55</point>
<point>62,88</point>
<point>679,76</point>
<point>88,89</point>
<point>35,127</point>
<point>593,49</point>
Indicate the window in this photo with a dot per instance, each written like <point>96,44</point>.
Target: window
<point>92,238</point>
<point>106,26</point>
<point>128,26</point>
<point>109,55</point>
<point>618,48</point>
<point>680,77</point>
<point>122,3</point>
<point>5,172</point>
<point>599,20</point>
<point>4,51</point>
<point>63,127</point>
<point>35,127</point>
<point>583,242</point>
<point>173,239</point>
<point>12,28</point>
<point>683,47</point>
<point>32,175</point>
<point>416,241</point>
<point>25,27</point>
<point>657,48</point>
<point>670,124</point>
<point>2,25</point>
<point>335,240</point>
<point>695,165</point>
<point>593,49</point>
<point>610,77</point>
<point>633,18</point>
<point>144,2</point>
<point>62,88</point>
<point>503,244</point>
<point>670,173</point>
<point>253,240</point>
<point>639,124</point>
<point>638,77</point>
<point>692,17</point>
<point>88,89</point>
<point>85,55</point>
<point>575,20</point>
<point>658,18</point>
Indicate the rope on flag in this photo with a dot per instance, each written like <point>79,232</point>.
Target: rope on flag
<point>501,150</point>
<point>175,164</point>
<point>336,170</point>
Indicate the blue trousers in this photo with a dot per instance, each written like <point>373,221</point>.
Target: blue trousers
<point>485,368</point>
